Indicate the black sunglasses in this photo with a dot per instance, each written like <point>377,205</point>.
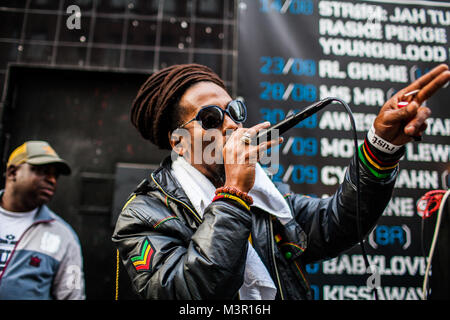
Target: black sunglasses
<point>212,117</point>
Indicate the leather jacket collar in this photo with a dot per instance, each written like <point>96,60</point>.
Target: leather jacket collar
<point>167,181</point>
<point>162,179</point>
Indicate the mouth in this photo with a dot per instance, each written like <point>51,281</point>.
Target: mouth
<point>48,192</point>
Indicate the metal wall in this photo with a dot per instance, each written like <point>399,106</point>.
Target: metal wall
<point>74,88</point>
<point>132,35</point>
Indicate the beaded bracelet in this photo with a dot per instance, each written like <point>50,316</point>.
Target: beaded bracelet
<point>236,192</point>
<point>230,196</point>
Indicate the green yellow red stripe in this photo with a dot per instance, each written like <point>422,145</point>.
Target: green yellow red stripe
<point>167,201</point>
<point>370,168</point>
<point>301,273</point>
<point>156,225</point>
<point>374,163</point>
<point>294,245</point>
<point>142,261</point>
<point>381,163</point>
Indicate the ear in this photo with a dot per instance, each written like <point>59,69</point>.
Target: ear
<point>11,172</point>
<point>176,142</point>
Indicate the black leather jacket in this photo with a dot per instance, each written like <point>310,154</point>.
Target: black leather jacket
<point>171,253</point>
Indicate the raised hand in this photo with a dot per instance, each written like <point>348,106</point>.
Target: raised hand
<point>399,124</point>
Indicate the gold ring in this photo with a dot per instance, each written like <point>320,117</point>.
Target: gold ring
<point>246,138</point>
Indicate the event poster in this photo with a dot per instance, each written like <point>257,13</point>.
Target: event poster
<point>295,52</point>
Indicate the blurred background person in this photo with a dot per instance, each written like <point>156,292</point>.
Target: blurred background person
<point>40,254</point>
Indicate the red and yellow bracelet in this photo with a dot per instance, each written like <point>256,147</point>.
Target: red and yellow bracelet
<point>222,195</point>
<point>236,192</point>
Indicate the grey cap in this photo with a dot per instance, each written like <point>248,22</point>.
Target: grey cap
<point>38,153</point>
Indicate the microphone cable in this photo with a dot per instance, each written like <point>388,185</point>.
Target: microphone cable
<point>358,191</point>
<point>292,120</point>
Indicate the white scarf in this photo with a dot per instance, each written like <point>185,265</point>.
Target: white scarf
<point>258,285</point>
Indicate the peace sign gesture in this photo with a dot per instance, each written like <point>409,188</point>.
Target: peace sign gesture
<point>402,117</point>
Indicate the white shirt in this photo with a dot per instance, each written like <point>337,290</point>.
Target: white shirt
<point>12,226</point>
<point>258,285</point>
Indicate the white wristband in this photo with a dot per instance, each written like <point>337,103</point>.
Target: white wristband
<point>380,143</point>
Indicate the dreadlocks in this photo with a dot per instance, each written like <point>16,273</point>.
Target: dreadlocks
<point>155,109</point>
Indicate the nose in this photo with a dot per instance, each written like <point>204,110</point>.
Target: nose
<point>228,124</point>
<point>51,178</point>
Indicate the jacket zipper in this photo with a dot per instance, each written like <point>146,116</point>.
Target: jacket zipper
<point>200,221</point>
<point>272,246</point>
<point>179,201</point>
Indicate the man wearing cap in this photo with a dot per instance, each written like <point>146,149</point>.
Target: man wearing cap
<point>40,254</point>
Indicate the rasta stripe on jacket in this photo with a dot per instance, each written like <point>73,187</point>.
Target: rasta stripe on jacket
<point>142,261</point>
<point>377,167</point>
<point>160,222</point>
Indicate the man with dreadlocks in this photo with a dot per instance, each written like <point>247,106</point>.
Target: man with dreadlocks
<point>196,229</point>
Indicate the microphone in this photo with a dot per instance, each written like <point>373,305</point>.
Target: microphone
<point>292,120</point>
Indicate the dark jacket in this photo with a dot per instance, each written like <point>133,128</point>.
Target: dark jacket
<point>169,252</point>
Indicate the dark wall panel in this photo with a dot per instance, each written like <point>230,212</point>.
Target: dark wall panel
<point>85,116</point>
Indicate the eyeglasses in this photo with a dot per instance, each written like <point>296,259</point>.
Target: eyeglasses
<point>212,117</point>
